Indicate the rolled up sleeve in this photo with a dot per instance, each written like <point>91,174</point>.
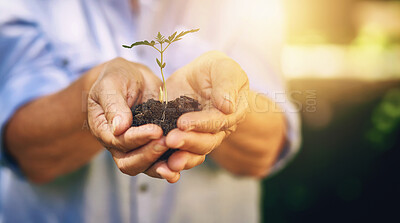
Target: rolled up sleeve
<point>28,69</point>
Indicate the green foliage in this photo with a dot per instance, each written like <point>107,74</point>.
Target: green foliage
<point>160,40</point>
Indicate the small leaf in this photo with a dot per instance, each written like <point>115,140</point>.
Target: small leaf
<point>137,43</point>
<point>167,41</point>
<point>177,39</point>
<point>163,65</point>
<point>152,43</point>
<point>145,42</point>
<point>159,63</point>
<point>181,34</point>
<point>171,37</point>
<point>160,38</point>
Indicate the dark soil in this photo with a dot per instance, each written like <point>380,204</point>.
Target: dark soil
<point>163,115</point>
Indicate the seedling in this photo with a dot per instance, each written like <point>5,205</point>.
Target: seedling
<point>160,40</point>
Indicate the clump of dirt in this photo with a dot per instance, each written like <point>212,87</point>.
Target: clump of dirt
<point>163,115</point>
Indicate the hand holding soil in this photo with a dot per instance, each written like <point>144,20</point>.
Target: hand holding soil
<point>120,85</point>
<point>215,80</point>
<point>210,100</point>
<point>221,86</point>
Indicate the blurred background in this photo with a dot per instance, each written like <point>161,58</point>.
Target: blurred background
<point>342,62</point>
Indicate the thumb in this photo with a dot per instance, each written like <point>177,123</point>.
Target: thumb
<point>228,80</point>
<point>116,111</point>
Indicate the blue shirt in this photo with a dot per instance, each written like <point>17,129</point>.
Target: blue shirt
<point>46,45</point>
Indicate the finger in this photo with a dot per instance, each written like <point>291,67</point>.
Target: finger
<point>136,136</point>
<point>195,142</point>
<point>139,160</point>
<point>184,160</point>
<point>210,120</point>
<point>131,139</point>
<point>96,119</point>
<point>116,110</point>
<point>227,79</point>
<point>116,99</point>
<point>161,170</point>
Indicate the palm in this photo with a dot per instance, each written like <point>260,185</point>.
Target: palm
<point>214,79</point>
<point>180,84</point>
<point>218,83</point>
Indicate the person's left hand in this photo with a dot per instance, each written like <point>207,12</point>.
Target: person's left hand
<point>221,86</point>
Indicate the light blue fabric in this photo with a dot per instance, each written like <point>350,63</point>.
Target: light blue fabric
<point>46,44</point>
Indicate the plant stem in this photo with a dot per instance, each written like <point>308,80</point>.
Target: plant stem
<point>162,74</point>
<point>166,47</point>
<point>156,48</point>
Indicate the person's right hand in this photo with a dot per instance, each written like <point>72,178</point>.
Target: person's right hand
<point>120,85</point>
<point>221,87</point>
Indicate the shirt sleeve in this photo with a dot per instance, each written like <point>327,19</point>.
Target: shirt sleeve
<point>28,69</point>
<point>257,43</point>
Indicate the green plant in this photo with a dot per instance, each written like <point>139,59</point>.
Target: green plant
<point>160,39</point>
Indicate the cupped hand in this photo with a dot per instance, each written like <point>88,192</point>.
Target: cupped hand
<point>120,85</point>
<point>221,86</point>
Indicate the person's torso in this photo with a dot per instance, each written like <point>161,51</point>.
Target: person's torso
<point>84,34</point>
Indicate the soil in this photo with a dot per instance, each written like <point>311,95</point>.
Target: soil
<point>163,115</point>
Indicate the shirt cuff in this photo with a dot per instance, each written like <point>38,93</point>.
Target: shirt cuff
<point>292,139</point>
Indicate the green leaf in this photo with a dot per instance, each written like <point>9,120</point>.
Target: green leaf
<point>160,38</point>
<point>139,43</point>
<point>177,39</point>
<point>181,34</point>
<point>163,65</point>
<point>171,37</point>
<point>159,63</point>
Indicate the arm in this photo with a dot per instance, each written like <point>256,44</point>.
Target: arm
<point>47,136</point>
<point>253,149</point>
<point>39,135</point>
<point>221,86</point>
<point>43,116</point>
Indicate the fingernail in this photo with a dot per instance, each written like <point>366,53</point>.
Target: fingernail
<point>163,172</point>
<point>116,122</point>
<point>180,144</point>
<point>159,148</point>
<point>190,128</point>
<point>154,137</point>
